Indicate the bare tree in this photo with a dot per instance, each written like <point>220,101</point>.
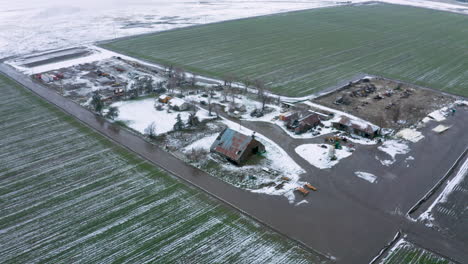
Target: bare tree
<point>171,84</point>
<point>193,81</point>
<point>225,93</point>
<point>209,102</point>
<point>228,79</point>
<point>179,74</point>
<point>192,120</point>
<point>262,92</point>
<point>232,92</point>
<point>150,130</point>
<point>169,70</point>
<point>112,113</point>
<point>247,84</point>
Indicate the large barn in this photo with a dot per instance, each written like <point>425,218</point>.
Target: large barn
<point>235,146</point>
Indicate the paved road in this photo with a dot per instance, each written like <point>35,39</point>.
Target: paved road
<point>347,218</point>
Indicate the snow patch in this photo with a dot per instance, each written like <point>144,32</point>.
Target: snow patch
<point>321,157</point>
<point>302,202</point>
<point>366,176</point>
<point>410,134</point>
<point>394,147</point>
<point>203,143</point>
<point>139,114</point>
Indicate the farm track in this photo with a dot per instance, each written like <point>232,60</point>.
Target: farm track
<point>304,52</point>
<point>69,195</point>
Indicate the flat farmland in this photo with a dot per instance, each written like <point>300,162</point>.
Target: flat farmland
<point>449,214</point>
<point>406,252</point>
<point>300,53</point>
<point>68,195</point>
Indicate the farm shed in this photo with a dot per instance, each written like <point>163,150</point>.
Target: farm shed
<point>357,127</point>
<point>288,116</point>
<point>235,146</point>
<point>178,104</point>
<point>164,98</point>
<point>306,123</point>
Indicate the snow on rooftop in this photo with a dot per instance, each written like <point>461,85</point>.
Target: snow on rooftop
<point>439,115</point>
<point>176,102</point>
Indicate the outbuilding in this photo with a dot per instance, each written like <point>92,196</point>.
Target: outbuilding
<point>306,123</point>
<point>164,98</point>
<point>236,147</point>
<point>356,127</point>
<point>178,104</point>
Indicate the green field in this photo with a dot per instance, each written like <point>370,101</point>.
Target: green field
<point>68,195</point>
<point>304,52</point>
<point>406,253</point>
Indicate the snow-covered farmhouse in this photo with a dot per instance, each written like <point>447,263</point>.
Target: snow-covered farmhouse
<point>235,146</point>
<point>357,127</point>
<point>178,104</point>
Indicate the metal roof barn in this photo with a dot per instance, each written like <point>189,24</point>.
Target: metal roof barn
<point>236,146</point>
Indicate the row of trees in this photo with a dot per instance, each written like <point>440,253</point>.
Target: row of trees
<point>177,78</point>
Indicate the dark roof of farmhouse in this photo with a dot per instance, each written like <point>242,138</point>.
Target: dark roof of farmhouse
<point>231,143</point>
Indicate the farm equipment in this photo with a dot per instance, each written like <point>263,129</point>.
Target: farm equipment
<point>308,185</point>
<point>302,191</point>
<point>102,74</point>
<point>338,145</point>
<point>332,139</point>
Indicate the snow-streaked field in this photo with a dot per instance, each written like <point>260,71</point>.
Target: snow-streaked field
<point>68,195</point>
<point>448,211</point>
<point>27,26</point>
<point>305,52</point>
<point>405,252</point>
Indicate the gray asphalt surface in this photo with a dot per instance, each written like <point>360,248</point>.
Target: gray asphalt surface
<point>348,217</point>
